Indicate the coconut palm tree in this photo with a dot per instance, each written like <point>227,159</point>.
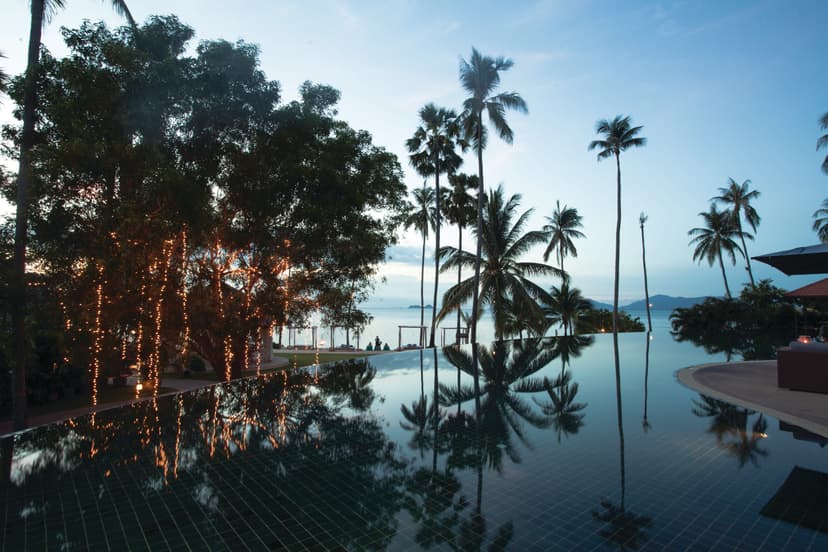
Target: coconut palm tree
<point>565,306</point>
<point>619,136</point>
<point>716,239</point>
<point>460,211</point>
<point>421,217</point>
<point>738,198</point>
<point>3,77</point>
<point>40,11</point>
<point>642,218</point>
<point>480,77</point>
<point>823,141</point>
<point>561,230</point>
<point>504,278</point>
<point>432,150</point>
<point>821,221</point>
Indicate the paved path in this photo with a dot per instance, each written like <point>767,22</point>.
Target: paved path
<point>752,384</point>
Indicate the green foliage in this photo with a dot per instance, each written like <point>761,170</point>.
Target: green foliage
<point>141,140</point>
<point>753,325</point>
<point>600,321</point>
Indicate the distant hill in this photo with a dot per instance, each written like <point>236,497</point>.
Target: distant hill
<point>658,302</point>
<point>418,306</point>
<point>665,302</point>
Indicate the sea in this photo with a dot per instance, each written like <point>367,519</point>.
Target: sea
<point>398,327</point>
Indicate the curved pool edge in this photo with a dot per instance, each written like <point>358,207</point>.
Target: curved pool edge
<point>752,384</point>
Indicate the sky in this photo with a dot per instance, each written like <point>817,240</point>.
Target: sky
<point>723,90</point>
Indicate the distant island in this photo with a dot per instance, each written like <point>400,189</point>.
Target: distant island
<point>418,306</point>
<point>658,302</point>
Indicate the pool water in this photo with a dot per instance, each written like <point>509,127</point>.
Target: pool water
<point>354,456</point>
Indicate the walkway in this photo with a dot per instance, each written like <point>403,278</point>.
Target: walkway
<point>752,384</point>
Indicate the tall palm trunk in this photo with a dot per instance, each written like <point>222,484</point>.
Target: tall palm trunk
<point>480,197</point>
<point>436,248</point>
<point>24,176</point>
<point>422,291</point>
<point>459,277</point>
<point>724,275</point>
<point>617,249</point>
<point>646,289</point>
<point>744,250</point>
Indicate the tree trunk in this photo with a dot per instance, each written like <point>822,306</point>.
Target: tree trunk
<point>745,253</point>
<point>617,248</point>
<point>459,276</point>
<point>480,198</point>
<point>724,276</point>
<point>24,176</point>
<point>422,291</point>
<point>436,248</point>
<point>646,290</point>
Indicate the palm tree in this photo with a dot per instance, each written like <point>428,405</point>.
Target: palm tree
<point>642,218</point>
<point>421,218</point>
<point>504,279</point>
<point>823,141</point>
<point>460,211</point>
<point>480,77</point>
<point>561,230</point>
<point>739,198</point>
<point>432,150</point>
<point>3,77</point>
<point>821,221</point>
<point>618,136</point>
<point>565,306</point>
<point>715,239</point>
<point>40,9</point>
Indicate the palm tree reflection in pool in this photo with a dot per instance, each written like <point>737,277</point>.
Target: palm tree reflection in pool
<point>622,527</point>
<point>729,424</point>
<point>564,413</point>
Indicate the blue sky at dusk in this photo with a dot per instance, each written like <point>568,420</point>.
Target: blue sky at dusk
<point>723,89</point>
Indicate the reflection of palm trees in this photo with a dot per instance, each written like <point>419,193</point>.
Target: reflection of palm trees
<point>422,419</point>
<point>349,382</point>
<point>729,424</point>
<point>645,423</point>
<point>623,528</point>
<point>506,371</point>
<point>563,411</point>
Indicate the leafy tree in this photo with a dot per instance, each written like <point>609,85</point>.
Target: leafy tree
<point>561,230</point>
<point>738,198</point>
<point>823,141</point>
<point>421,217</point>
<point>39,11</point>
<point>504,278</point>
<point>821,221</point>
<point>432,150</point>
<point>715,239</point>
<point>460,211</point>
<point>566,306</point>
<point>598,320</point>
<point>480,77</point>
<point>619,136</point>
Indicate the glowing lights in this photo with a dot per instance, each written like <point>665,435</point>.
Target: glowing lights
<point>98,336</point>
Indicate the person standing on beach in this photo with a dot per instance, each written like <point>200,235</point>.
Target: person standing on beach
<point>377,343</point>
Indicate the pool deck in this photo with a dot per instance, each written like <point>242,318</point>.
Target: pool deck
<point>752,384</point>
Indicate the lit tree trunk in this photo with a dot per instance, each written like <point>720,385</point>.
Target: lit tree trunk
<point>436,248</point>
<point>24,175</point>
<point>646,289</point>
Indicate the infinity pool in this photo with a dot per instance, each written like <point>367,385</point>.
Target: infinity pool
<point>355,456</point>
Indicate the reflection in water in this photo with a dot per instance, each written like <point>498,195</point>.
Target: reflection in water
<point>621,527</point>
<point>645,422</point>
<point>290,441</point>
<point>729,424</point>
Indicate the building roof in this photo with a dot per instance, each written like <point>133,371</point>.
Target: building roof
<point>815,290</point>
